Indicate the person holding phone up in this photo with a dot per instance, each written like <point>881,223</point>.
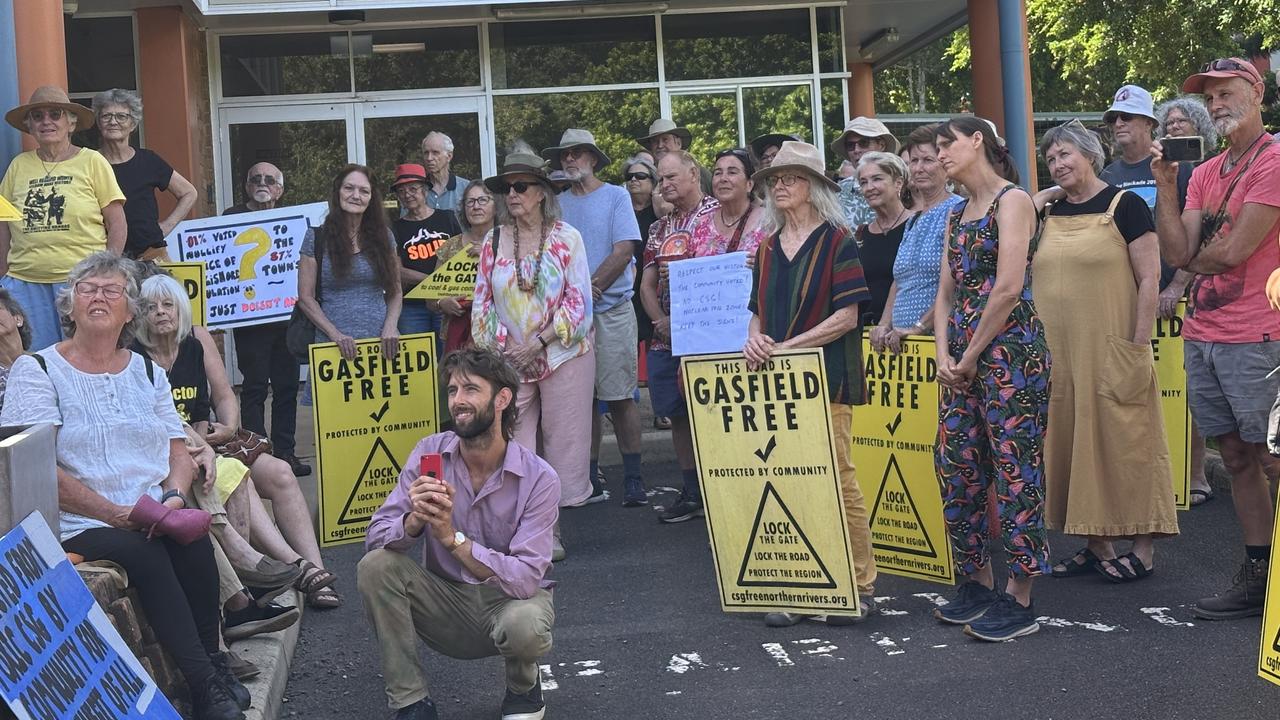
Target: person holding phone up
<point>487,506</point>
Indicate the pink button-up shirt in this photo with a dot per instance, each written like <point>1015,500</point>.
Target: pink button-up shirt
<point>509,521</point>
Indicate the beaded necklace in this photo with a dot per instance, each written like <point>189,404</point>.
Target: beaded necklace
<point>530,285</point>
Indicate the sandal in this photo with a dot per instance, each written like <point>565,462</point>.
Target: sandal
<point>1071,567</point>
<point>1135,570</point>
<point>313,577</point>
<point>661,423</point>
<point>325,598</point>
<point>1200,497</point>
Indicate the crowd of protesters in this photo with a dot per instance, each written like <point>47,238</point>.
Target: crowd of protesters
<point>1042,310</point>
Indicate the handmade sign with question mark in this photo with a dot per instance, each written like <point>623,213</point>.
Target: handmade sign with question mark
<point>251,262</point>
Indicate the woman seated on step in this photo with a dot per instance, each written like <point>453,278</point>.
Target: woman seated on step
<point>200,385</point>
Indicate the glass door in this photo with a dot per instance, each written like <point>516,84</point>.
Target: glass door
<point>307,142</point>
<point>391,133</point>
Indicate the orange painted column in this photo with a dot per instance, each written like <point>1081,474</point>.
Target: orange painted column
<point>862,91</point>
<point>40,42</point>
<point>984,47</point>
<point>166,43</point>
<point>1030,183</point>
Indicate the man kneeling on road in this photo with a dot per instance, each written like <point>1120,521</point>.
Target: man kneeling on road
<point>488,518</point>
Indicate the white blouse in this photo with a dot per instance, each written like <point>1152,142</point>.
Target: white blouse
<point>115,428</point>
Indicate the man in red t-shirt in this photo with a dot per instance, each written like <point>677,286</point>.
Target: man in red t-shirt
<point>1227,236</point>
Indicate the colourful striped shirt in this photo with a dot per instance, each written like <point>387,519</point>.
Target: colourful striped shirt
<point>793,296</point>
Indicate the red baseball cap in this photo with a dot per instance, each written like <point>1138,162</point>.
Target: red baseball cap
<point>1224,68</point>
<point>409,173</point>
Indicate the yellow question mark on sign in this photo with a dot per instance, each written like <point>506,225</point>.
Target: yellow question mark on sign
<point>261,242</point>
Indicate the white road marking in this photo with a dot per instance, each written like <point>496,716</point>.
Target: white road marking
<point>815,646</point>
<point>589,667</point>
<point>934,598</point>
<point>886,644</point>
<point>684,662</point>
<point>548,680</point>
<point>674,692</point>
<point>881,600</point>
<point>1059,622</point>
<point>779,654</point>
<point>1162,616</point>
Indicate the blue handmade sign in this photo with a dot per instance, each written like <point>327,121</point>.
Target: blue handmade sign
<point>60,656</point>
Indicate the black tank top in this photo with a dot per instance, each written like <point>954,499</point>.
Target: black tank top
<point>189,382</point>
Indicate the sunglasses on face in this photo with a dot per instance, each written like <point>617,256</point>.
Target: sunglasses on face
<point>1127,117</point>
<point>784,180</point>
<point>114,118</point>
<point>54,114</point>
<point>638,176</point>
<point>267,180</point>
<point>520,186</point>
<point>861,143</point>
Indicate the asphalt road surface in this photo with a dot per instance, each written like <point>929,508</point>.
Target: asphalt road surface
<point>639,634</point>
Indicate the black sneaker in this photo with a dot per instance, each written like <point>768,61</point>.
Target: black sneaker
<point>254,620</point>
<point>1004,620</point>
<point>424,709</point>
<point>215,702</point>
<point>222,666</point>
<point>686,508</point>
<point>524,706</point>
<point>970,602</point>
<point>1243,599</point>
<point>635,494</point>
<point>300,469</point>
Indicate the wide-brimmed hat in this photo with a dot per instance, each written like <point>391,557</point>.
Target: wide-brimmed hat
<point>794,156</point>
<point>768,140</point>
<point>572,138</point>
<point>409,173</point>
<point>1224,68</point>
<point>662,126</point>
<point>50,96</point>
<point>523,163</point>
<point>1133,100</point>
<point>868,128</point>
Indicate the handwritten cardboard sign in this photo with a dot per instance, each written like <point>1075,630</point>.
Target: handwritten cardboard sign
<point>709,304</point>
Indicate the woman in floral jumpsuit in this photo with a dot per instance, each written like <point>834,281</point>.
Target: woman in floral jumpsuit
<point>993,364</point>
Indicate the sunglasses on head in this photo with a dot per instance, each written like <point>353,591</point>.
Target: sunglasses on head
<point>54,114</point>
<point>520,186</point>
<point>638,176</point>
<point>267,180</point>
<point>1225,65</point>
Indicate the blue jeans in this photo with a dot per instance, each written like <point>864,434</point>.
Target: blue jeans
<point>37,301</point>
<point>416,318</point>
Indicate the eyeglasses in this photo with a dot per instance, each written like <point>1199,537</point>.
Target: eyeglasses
<point>267,180</point>
<point>115,118</point>
<point>54,114</point>
<point>638,176</point>
<point>520,186</point>
<point>1127,117</point>
<point>88,289</point>
<point>1226,65</point>
<point>742,155</point>
<point>480,201</point>
<point>862,143</point>
<point>785,180</point>
<point>409,188</point>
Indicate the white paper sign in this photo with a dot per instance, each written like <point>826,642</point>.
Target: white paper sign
<point>251,262</point>
<point>709,304</point>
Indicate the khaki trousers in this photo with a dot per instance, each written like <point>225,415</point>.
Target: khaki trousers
<point>855,507</point>
<point>460,620</point>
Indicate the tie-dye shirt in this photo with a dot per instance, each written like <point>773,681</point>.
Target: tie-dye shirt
<point>504,315</point>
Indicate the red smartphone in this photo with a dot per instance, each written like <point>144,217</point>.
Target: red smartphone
<point>432,465</point>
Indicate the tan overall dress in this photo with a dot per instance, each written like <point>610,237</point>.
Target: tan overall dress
<point>1107,469</point>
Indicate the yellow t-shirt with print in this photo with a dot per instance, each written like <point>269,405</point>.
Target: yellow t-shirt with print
<point>61,206</point>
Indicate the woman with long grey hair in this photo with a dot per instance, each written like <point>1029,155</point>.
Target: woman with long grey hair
<point>807,290</point>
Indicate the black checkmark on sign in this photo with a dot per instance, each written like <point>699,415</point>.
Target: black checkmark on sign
<point>893,426</point>
<point>768,449</point>
<point>377,416</point>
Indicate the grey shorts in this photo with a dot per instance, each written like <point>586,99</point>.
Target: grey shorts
<point>616,347</point>
<point>1228,386</point>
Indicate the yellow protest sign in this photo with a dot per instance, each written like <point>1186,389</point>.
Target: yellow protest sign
<point>191,275</point>
<point>1166,344</point>
<point>767,468</point>
<point>456,277</point>
<point>893,438</point>
<point>8,213</point>
<point>1269,654</point>
<point>369,413</point>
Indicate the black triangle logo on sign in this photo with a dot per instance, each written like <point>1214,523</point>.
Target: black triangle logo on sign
<point>779,554</point>
<point>1275,644</point>
<point>358,511</point>
<point>909,525</point>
